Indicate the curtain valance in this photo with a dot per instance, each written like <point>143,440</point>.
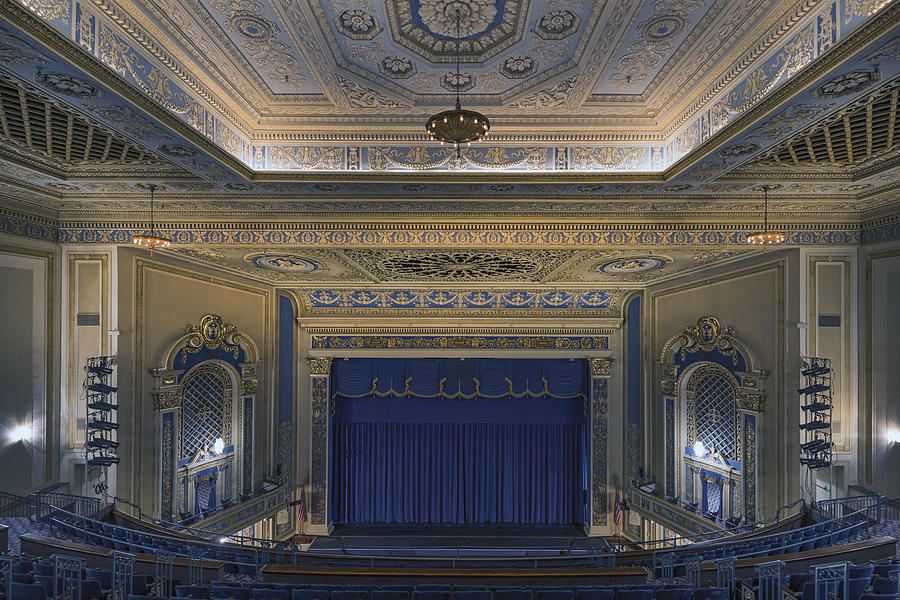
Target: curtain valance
<point>482,378</point>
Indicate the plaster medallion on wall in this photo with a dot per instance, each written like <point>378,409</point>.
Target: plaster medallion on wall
<point>631,265</point>
<point>283,263</point>
<point>557,24</point>
<point>518,67</point>
<point>357,24</point>
<point>68,84</point>
<point>848,83</point>
<point>397,67</point>
<point>475,16</point>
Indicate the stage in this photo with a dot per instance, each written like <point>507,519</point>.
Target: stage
<point>456,540</point>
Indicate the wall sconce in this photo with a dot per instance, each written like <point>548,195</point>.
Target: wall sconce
<point>19,433</point>
<point>218,446</point>
<point>699,449</point>
<point>893,436</point>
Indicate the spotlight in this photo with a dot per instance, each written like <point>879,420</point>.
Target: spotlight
<point>699,449</point>
<point>222,540</point>
<point>20,433</point>
<point>218,446</point>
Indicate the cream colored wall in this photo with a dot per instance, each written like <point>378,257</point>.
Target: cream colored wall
<point>879,357</point>
<point>756,297</point>
<point>29,352</point>
<point>158,298</point>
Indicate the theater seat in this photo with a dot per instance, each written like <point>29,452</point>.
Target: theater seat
<point>673,594</point>
<point>516,594</point>
<point>595,595</point>
<point>264,594</point>
<point>193,591</point>
<point>91,590</point>
<point>883,585</point>
<point>27,591</point>
<point>352,595</point>
<point>483,594</point>
<point>554,595</point>
<point>417,595</point>
<point>634,595</point>
<point>312,594</point>
<point>710,593</point>
<point>383,595</point>
<point>224,592</point>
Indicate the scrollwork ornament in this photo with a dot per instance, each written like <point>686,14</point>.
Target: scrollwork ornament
<point>750,402</point>
<point>167,399</point>
<point>248,386</point>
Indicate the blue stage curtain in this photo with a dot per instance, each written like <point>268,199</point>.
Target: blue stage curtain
<point>459,442</point>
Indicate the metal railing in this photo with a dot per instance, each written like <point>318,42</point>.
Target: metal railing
<point>773,543</point>
<point>12,505</point>
<point>46,502</point>
<point>838,507</point>
<point>711,536</point>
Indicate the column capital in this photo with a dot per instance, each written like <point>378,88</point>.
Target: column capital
<point>601,367</point>
<point>320,366</point>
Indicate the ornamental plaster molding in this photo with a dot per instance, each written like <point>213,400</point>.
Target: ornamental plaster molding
<point>601,367</point>
<point>319,367</point>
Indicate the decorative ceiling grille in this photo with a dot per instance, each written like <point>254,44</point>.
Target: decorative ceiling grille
<point>38,125</point>
<point>853,137</point>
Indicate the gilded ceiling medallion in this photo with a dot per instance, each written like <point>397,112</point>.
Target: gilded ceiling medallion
<point>631,265</point>
<point>440,16</point>
<point>283,263</point>
<point>459,265</point>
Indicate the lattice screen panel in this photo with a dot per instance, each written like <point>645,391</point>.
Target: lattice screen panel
<point>203,410</point>
<point>714,416</point>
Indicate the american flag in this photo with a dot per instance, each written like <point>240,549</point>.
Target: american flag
<point>617,516</point>
<point>301,509</point>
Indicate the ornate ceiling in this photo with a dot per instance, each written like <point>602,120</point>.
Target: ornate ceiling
<point>299,125</point>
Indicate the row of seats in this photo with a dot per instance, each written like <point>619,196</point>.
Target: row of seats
<point>33,580</point>
<point>460,592</point>
<point>877,581</point>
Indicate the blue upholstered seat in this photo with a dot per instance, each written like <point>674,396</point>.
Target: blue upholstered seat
<point>673,594</point>
<point>350,595</point>
<point>230,592</point>
<point>390,595</point>
<point>710,593</point>
<point>556,594</point>
<point>101,575</point>
<point>26,591</point>
<point>309,594</point>
<point>883,585</point>
<point>91,590</point>
<point>433,587</point>
<point>193,591</point>
<point>267,594</point>
<point>595,594</point>
<point>860,571</point>
<point>483,594</point>
<point>513,594</point>
<point>424,595</point>
<point>634,595</point>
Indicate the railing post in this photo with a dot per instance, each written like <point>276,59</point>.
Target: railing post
<point>831,581</point>
<point>195,565</point>
<point>692,571</point>
<point>725,573</point>
<point>667,566</point>
<point>67,577</point>
<point>122,572</point>
<point>163,576</point>
<point>770,580</point>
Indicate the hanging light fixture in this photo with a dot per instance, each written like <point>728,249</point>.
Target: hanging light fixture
<point>765,237</point>
<point>151,240</point>
<point>457,126</point>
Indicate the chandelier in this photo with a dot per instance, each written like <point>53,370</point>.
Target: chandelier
<point>765,237</point>
<point>151,240</point>
<point>457,126</point>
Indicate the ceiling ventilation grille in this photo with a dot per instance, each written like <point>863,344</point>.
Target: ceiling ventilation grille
<point>855,136</point>
<point>61,138</point>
